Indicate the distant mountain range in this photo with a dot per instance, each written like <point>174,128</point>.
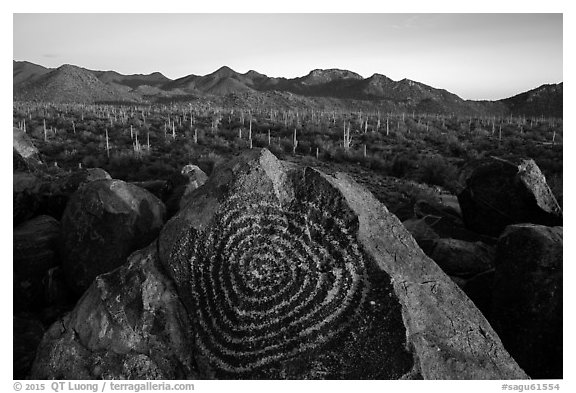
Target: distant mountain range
<point>320,88</point>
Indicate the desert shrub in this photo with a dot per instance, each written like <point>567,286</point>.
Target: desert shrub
<point>91,161</point>
<point>156,170</point>
<point>438,171</point>
<point>455,147</point>
<point>276,150</point>
<point>210,161</point>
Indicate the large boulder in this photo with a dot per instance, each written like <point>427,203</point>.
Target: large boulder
<point>290,273</point>
<point>499,193</point>
<point>34,253</point>
<point>128,325</point>
<point>527,297</point>
<point>105,221</point>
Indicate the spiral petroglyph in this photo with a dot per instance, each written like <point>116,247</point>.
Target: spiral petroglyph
<point>271,282</point>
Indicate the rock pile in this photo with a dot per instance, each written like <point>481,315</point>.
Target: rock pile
<point>276,271</point>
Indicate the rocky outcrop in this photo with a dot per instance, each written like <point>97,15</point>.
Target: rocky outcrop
<point>499,193</point>
<point>103,223</point>
<point>290,273</point>
<point>527,297</point>
<point>128,325</point>
<point>283,272</point>
<point>35,248</point>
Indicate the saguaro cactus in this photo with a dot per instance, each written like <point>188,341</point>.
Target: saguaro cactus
<point>250,133</point>
<point>107,144</point>
<point>347,137</point>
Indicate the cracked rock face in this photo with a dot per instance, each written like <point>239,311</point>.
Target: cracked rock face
<point>283,272</point>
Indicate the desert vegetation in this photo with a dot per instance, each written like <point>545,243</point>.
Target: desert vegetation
<point>148,142</point>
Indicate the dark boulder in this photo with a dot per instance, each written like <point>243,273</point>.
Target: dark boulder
<point>527,297</point>
<point>128,325</point>
<point>34,253</point>
<point>499,193</point>
<point>104,222</point>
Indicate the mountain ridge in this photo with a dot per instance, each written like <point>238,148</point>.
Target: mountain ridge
<point>70,83</point>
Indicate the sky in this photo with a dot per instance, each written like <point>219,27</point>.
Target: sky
<point>476,56</point>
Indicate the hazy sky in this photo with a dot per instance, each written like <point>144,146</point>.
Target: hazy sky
<point>477,56</point>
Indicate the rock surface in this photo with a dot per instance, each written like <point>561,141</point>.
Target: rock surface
<point>527,297</point>
<point>290,273</point>
<point>34,253</point>
<point>128,325</point>
<point>499,193</point>
<point>103,223</point>
<point>283,273</point>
